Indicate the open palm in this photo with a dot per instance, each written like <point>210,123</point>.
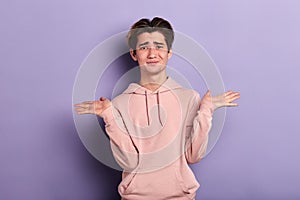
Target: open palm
<point>93,107</point>
<point>225,99</point>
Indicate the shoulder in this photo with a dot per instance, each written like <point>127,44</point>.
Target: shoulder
<point>120,99</point>
<point>181,90</point>
<point>188,93</point>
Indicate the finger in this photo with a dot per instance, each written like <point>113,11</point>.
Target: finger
<point>83,111</point>
<point>79,109</point>
<point>233,95</point>
<point>78,105</point>
<point>232,100</point>
<point>104,99</point>
<point>88,102</point>
<point>228,92</point>
<point>207,93</point>
<point>82,105</point>
<point>232,104</point>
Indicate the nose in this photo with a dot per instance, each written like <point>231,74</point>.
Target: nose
<point>152,52</point>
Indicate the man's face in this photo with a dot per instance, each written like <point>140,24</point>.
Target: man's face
<point>151,52</point>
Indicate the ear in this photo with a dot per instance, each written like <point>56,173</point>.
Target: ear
<point>170,53</point>
<point>133,55</point>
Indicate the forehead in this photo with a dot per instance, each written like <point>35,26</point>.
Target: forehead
<point>150,37</point>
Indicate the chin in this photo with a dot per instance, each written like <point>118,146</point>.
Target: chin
<point>153,68</point>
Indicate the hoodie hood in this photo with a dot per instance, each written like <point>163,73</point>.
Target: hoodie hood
<point>136,89</point>
<point>168,85</point>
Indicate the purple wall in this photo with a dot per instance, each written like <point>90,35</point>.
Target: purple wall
<point>255,45</point>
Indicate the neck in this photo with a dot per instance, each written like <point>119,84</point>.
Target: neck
<point>153,82</point>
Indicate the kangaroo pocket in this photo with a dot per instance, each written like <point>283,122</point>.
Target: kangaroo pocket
<point>166,183</point>
<point>188,183</point>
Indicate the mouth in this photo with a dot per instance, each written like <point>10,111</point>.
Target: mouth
<point>152,63</point>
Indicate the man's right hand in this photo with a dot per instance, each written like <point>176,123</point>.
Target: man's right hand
<point>92,107</point>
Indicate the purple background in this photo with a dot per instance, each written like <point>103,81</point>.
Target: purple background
<point>254,43</point>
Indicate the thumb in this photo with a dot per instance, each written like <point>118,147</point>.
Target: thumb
<point>207,93</point>
<point>102,98</point>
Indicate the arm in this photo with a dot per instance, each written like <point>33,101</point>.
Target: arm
<point>122,145</point>
<point>198,134</point>
<point>200,117</point>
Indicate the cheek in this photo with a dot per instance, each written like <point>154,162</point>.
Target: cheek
<point>164,55</point>
<point>141,58</point>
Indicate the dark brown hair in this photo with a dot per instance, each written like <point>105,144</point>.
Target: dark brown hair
<point>145,25</point>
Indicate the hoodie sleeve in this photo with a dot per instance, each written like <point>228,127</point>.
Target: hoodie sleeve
<point>124,150</point>
<point>198,126</point>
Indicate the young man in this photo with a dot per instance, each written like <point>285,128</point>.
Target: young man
<point>156,127</point>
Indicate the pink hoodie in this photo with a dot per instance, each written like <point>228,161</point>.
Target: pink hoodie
<point>154,135</point>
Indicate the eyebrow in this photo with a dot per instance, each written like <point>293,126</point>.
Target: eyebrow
<point>145,43</point>
<point>160,43</point>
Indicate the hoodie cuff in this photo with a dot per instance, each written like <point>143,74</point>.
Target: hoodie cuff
<point>107,114</point>
<point>207,107</point>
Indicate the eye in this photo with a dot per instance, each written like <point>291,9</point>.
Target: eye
<point>143,47</point>
<point>159,46</point>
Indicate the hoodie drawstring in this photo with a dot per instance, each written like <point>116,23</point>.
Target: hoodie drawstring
<point>158,106</point>
<point>147,107</point>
